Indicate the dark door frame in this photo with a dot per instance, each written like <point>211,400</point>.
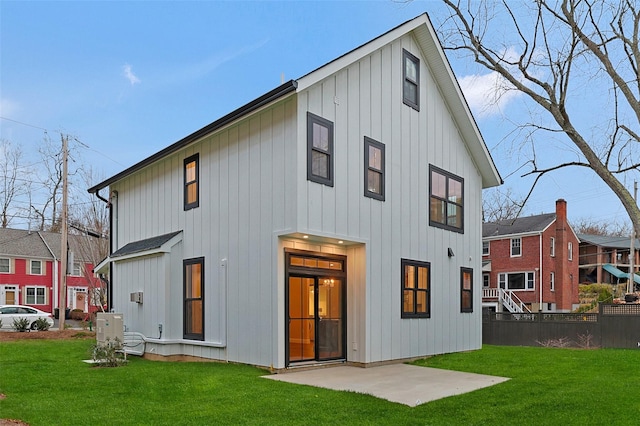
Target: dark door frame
<point>309,272</point>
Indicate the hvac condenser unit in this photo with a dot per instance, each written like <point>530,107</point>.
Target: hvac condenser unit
<point>109,327</point>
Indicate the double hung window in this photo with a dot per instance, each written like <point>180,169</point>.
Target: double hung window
<point>411,80</point>
<point>374,169</point>
<point>416,289</point>
<point>319,150</point>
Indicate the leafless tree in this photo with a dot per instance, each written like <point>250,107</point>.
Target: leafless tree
<point>11,189</point>
<point>554,52</point>
<point>592,227</point>
<point>499,204</point>
<point>89,224</point>
<point>50,179</point>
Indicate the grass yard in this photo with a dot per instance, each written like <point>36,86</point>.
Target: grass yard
<point>45,383</point>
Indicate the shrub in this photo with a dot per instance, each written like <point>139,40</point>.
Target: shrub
<point>41,324</point>
<point>21,324</point>
<point>108,354</point>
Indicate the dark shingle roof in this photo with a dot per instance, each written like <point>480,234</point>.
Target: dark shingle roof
<point>143,245</point>
<point>521,225</point>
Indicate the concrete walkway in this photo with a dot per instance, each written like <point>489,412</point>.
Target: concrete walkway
<point>402,383</point>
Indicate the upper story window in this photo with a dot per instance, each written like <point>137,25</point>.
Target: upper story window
<point>411,80</point>
<point>416,289</point>
<point>485,248</point>
<point>77,269</point>
<point>552,247</point>
<point>446,203</point>
<point>552,281</point>
<point>374,169</point>
<point>319,150</point>
<point>570,251</point>
<point>5,265</point>
<point>466,290</point>
<point>516,247</point>
<point>191,179</point>
<point>35,267</point>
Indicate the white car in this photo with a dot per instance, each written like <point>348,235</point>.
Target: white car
<point>10,312</point>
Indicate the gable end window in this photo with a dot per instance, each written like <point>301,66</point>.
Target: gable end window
<point>411,80</point>
<point>416,289</point>
<point>319,150</point>
<point>552,247</point>
<point>446,203</point>
<point>191,182</point>
<point>570,251</point>
<point>374,167</point>
<point>193,306</point>
<point>466,290</point>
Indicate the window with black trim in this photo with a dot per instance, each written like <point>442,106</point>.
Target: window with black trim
<point>374,169</point>
<point>193,299</point>
<point>319,150</point>
<point>411,80</point>
<point>446,200</point>
<point>191,179</point>
<point>466,290</point>
<point>416,289</point>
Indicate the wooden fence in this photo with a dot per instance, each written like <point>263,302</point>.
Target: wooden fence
<point>614,326</point>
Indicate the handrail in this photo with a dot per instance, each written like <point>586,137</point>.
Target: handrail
<point>508,298</point>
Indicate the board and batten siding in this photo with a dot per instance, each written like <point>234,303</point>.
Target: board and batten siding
<point>365,99</point>
<point>247,193</point>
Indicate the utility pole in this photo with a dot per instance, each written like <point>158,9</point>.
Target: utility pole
<point>63,246</point>
<point>632,251</point>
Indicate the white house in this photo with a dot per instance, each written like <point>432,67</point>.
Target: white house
<point>335,218</point>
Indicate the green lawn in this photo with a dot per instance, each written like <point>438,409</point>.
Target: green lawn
<point>46,383</point>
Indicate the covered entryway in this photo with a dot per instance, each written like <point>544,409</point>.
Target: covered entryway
<point>315,298</point>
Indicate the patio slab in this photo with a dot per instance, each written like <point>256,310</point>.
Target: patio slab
<point>402,383</point>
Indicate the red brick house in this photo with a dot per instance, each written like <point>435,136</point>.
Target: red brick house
<point>531,263</point>
<point>30,271</point>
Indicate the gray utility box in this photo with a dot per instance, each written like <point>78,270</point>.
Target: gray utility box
<point>109,327</point>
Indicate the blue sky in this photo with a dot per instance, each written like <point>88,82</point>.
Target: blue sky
<point>130,78</point>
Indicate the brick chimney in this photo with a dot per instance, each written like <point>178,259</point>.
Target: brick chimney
<point>564,281</point>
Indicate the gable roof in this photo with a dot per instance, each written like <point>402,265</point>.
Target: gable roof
<point>522,225</point>
<point>22,243</point>
<point>435,59</point>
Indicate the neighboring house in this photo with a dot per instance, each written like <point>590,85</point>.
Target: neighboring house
<point>335,218</point>
<point>30,271</point>
<point>605,259</point>
<point>531,263</point>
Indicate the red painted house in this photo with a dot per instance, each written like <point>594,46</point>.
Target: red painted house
<point>30,271</point>
<point>530,264</point>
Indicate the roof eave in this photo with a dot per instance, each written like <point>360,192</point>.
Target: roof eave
<point>267,98</point>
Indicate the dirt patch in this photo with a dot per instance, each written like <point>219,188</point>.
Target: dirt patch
<point>51,334</point>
